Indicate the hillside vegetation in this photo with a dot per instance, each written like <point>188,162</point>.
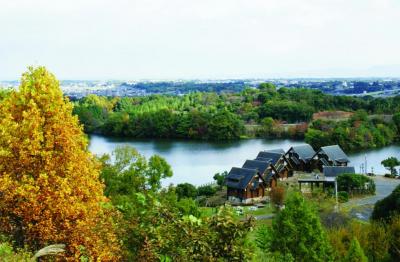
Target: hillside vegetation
<point>265,112</point>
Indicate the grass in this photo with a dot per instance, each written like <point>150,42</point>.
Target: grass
<point>209,211</point>
<point>260,211</point>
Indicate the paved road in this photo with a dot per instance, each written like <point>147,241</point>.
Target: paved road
<point>384,186</point>
<point>362,208</point>
<point>263,217</point>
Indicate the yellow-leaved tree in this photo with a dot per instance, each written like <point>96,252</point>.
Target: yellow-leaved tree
<point>50,190</point>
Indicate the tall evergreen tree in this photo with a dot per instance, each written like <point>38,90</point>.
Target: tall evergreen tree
<point>297,230</point>
<point>355,253</point>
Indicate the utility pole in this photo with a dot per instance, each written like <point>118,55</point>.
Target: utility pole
<point>336,196</point>
<point>366,169</point>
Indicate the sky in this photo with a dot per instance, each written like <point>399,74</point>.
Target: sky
<point>202,39</point>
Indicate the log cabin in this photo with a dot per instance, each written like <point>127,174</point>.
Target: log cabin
<point>245,185</point>
<point>330,156</point>
<point>301,158</point>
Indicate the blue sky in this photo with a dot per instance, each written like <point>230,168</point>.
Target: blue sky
<point>170,39</point>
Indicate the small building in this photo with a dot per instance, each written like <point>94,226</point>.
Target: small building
<point>301,158</point>
<point>328,177</point>
<point>331,156</point>
<point>265,169</point>
<point>280,166</point>
<point>245,185</point>
<point>334,171</point>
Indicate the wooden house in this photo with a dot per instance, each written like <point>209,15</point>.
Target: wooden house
<point>301,158</point>
<point>264,168</point>
<point>331,156</point>
<point>280,166</point>
<point>245,185</point>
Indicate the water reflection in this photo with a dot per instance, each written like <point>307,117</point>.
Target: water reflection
<point>197,161</point>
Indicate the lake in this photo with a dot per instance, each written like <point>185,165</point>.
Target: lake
<point>196,162</point>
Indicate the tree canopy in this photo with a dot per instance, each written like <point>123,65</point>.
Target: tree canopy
<point>49,183</point>
<point>297,230</point>
<point>390,164</point>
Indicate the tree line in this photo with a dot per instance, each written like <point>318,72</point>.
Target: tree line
<point>225,116</point>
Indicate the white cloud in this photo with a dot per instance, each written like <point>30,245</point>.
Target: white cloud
<point>199,38</point>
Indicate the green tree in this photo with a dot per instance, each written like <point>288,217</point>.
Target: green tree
<point>220,178</point>
<point>267,127</point>
<point>225,125</point>
<point>186,190</point>
<point>387,207</point>
<point>207,190</point>
<point>390,164</point>
<point>356,184</point>
<point>297,230</point>
<point>396,121</point>
<point>355,253</point>
<point>316,138</point>
<point>133,185</point>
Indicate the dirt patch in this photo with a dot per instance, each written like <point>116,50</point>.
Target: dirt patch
<point>332,115</point>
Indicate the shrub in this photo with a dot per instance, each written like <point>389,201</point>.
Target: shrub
<point>7,253</point>
<point>297,230</point>
<point>388,206</point>
<point>343,196</point>
<point>206,190</point>
<point>355,253</point>
<point>186,190</point>
<point>356,184</point>
<point>277,196</point>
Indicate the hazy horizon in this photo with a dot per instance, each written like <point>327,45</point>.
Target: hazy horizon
<point>209,39</point>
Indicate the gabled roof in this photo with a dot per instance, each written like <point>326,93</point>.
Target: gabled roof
<point>305,152</point>
<point>261,166</point>
<point>239,178</point>
<point>274,155</point>
<point>276,150</point>
<point>334,153</point>
<point>268,160</point>
<point>333,171</point>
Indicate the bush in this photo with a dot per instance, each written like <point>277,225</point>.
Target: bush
<point>297,230</point>
<point>206,190</point>
<point>186,190</point>
<point>355,253</point>
<point>356,184</point>
<point>188,206</point>
<point>8,254</point>
<point>390,176</point>
<point>277,196</point>
<point>388,206</point>
<point>343,196</point>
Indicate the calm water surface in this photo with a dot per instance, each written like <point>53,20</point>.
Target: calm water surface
<point>197,161</point>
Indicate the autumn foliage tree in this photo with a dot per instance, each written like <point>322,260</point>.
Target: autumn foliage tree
<point>50,190</point>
